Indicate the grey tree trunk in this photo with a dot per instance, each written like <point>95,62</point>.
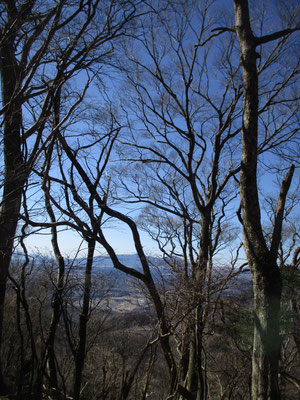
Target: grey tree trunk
<point>262,261</point>
<point>195,377</point>
<point>266,344</point>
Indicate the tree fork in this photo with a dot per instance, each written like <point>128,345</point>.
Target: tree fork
<point>262,261</point>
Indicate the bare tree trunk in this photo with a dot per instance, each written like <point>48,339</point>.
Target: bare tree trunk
<point>56,310</point>
<point>196,382</point>
<point>195,377</point>
<point>262,261</point>
<point>80,351</point>
<point>294,305</point>
<point>266,345</point>
<point>57,296</point>
<point>14,172</point>
<point>145,277</point>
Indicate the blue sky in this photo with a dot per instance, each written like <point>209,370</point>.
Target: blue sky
<point>119,236</point>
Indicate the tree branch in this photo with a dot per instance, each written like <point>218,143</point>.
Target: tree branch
<point>276,35</point>
<point>276,236</point>
<point>218,31</point>
<point>296,260</point>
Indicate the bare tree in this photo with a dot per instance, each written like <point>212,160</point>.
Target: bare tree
<point>42,47</point>
<point>184,148</point>
<point>81,175</point>
<point>179,159</point>
<point>262,259</point>
<point>169,145</point>
<point>178,153</point>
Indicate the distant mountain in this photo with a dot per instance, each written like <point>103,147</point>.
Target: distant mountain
<point>125,292</point>
<point>104,265</point>
<point>130,260</point>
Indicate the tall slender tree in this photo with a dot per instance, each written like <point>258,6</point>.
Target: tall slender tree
<point>262,259</point>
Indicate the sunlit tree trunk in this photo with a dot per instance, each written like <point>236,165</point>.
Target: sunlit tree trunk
<point>266,345</point>
<point>262,260</point>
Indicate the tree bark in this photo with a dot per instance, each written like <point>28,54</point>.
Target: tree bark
<point>262,261</point>
<point>14,173</point>
<point>56,304</point>
<point>195,375</point>
<point>266,345</point>
<point>80,351</point>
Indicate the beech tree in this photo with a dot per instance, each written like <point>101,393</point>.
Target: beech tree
<point>184,127</point>
<point>262,259</point>
<point>82,172</point>
<point>185,146</point>
<point>178,159</point>
<point>202,103</point>
<point>43,45</point>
